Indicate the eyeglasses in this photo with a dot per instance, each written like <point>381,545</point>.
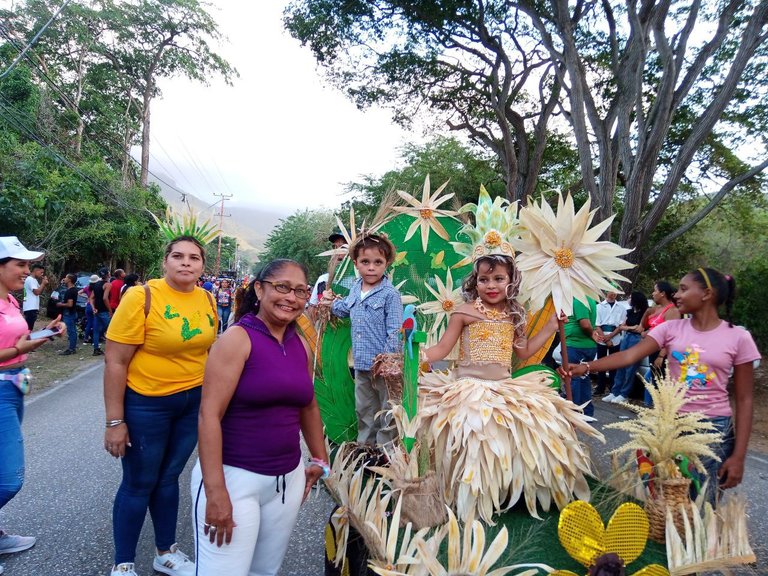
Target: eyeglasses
<point>301,293</point>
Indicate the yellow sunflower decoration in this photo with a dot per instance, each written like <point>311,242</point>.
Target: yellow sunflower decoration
<point>605,550</point>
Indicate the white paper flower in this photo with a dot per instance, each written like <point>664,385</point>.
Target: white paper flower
<point>562,256</point>
<point>426,212</point>
<point>447,299</point>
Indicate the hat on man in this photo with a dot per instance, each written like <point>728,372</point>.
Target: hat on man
<point>94,278</point>
<point>335,235</point>
<point>10,247</point>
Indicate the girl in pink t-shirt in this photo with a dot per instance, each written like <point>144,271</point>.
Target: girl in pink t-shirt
<point>14,347</point>
<point>704,351</point>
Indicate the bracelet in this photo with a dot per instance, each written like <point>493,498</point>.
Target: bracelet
<point>589,370</point>
<point>321,464</point>
<point>113,423</point>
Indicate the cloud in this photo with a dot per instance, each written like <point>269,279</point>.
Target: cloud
<point>280,137</point>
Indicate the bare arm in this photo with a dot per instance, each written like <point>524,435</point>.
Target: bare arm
<point>628,357</point>
<point>107,290</point>
<point>732,470</point>
<point>451,335</point>
<point>117,358</point>
<point>39,290</point>
<point>222,373</point>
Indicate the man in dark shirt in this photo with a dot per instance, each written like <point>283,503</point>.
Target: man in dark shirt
<point>102,311</point>
<point>68,306</point>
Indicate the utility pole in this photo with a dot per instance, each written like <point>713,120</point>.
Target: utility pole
<point>221,215</point>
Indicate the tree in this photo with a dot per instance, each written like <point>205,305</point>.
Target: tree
<point>301,237</point>
<point>151,39</point>
<point>657,98</point>
<point>651,106</point>
<point>479,70</point>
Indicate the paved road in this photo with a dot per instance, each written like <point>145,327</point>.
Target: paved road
<point>71,481</point>
<point>70,486</point>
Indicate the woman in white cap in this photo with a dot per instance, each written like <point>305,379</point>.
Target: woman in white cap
<point>15,344</point>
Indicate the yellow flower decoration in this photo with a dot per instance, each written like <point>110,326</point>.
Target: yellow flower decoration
<point>560,255</point>
<point>426,212</point>
<point>582,534</point>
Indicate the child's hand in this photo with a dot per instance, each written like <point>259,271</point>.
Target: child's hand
<point>554,321</point>
<point>328,297</point>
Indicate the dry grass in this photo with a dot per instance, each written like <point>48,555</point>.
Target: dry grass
<point>49,368</point>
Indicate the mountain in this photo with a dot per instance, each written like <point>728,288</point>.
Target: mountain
<point>250,225</point>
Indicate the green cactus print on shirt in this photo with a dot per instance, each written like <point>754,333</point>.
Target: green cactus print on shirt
<point>169,314</point>
<point>186,332</point>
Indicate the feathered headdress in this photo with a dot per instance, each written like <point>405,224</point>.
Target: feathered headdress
<point>176,225</point>
<point>495,227</point>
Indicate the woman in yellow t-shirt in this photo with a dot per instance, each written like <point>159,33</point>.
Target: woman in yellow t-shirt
<point>157,346</point>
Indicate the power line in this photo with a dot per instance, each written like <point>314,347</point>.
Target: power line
<point>31,42</point>
<point>47,80</point>
<point>9,114</point>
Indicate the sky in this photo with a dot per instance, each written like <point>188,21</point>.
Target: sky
<point>281,137</point>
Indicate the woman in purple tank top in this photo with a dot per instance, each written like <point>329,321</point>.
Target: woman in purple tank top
<point>258,396</point>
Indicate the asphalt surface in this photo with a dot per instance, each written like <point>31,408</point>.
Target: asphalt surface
<point>71,482</point>
<point>70,486</point>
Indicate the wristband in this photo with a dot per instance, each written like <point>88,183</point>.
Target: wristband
<point>113,423</point>
<point>587,365</point>
<point>321,464</point>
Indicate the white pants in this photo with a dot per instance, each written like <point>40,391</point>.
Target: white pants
<point>264,521</point>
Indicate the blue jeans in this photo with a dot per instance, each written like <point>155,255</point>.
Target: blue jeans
<point>223,317</point>
<point>163,432</point>
<point>724,450</point>
<point>581,388</point>
<point>625,377</point>
<point>88,321</point>
<point>11,441</point>
<point>70,321</point>
<point>100,325</point>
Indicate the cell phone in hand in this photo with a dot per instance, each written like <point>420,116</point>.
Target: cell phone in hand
<point>45,333</point>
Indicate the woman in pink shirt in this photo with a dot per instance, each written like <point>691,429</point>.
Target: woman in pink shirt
<point>15,345</point>
<point>703,352</point>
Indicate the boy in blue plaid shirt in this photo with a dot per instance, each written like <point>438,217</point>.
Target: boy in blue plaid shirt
<point>376,311</point>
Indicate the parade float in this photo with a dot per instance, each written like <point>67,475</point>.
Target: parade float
<point>494,476</point>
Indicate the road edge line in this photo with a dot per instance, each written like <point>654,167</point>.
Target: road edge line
<point>65,383</point>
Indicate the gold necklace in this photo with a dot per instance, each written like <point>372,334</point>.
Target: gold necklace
<point>491,314</point>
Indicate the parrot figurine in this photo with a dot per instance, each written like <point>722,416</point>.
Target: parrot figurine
<point>645,470</point>
<point>409,327</point>
<point>688,470</point>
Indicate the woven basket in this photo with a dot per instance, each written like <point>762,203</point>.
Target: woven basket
<point>423,504</point>
<point>674,491</point>
<point>389,366</point>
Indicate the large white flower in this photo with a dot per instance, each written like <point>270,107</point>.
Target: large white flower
<point>447,299</point>
<point>426,212</point>
<point>561,256</point>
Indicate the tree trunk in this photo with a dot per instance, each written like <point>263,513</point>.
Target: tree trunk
<point>148,87</point>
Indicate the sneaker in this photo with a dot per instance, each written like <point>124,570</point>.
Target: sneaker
<point>608,398</point>
<point>618,399</point>
<point>123,569</point>
<point>67,352</point>
<point>174,563</point>
<point>10,543</point>
<point>98,352</point>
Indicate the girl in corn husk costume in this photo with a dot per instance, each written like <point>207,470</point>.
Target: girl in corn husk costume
<point>496,437</point>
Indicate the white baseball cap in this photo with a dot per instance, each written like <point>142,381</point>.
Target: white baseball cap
<point>10,247</point>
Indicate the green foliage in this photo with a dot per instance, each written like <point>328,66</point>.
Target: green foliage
<point>442,159</point>
<point>301,237</point>
<point>749,307</point>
